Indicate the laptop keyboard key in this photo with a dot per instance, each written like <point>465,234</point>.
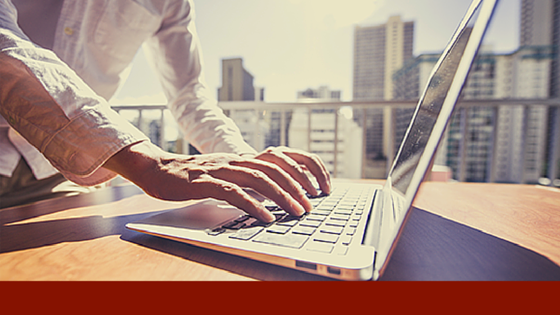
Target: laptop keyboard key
<point>346,240</point>
<point>336,223</point>
<point>332,229</point>
<point>278,229</point>
<point>310,223</point>
<point>246,234</point>
<point>289,220</point>
<point>305,230</point>
<point>233,225</point>
<point>320,212</point>
<point>326,238</point>
<point>320,247</point>
<point>350,231</point>
<point>342,217</point>
<point>285,240</point>
<point>216,231</point>
<point>242,219</point>
<point>343,212</point>
<point>315,217</point>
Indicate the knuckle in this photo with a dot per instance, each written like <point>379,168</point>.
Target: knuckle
<point>230,188</point>
<point>258,175</point>
<point>298,168</point>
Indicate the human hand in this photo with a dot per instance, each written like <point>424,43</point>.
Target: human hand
<point>275,173</point>
<point>297,163</point>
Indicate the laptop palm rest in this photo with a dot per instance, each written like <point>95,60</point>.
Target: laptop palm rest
<point>200,216</point>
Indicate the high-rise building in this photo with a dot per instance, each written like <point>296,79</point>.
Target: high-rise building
<point>313,130</point>
<point>379,51</point>
<point>521,74</point>
<point>521,143</point>
<point>540,26</point>
<point>237,85</point>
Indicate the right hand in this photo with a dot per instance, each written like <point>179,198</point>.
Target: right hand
<point>221,176</point>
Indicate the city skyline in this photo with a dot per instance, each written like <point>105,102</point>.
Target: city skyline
<point>304,45</point>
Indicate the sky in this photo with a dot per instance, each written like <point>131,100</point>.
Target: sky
<point>291,45</point>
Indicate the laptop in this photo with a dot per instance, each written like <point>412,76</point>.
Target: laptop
<point>351,233</point>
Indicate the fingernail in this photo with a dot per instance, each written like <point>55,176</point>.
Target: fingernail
<point>268,216</point>
<point>307,204</point>
<point>300,209</point>
<point>315,192</point>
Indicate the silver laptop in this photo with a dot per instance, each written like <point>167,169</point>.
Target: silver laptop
<point>350,233</point>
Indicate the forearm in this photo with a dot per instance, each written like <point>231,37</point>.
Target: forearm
<point>76,138</point>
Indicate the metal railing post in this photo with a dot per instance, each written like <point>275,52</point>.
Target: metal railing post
<point>554,155</point>
<point>309,110</point>
<point>162,142</point>
<point>140,125</point>
<point>525,135</point>
<point>364,142</point>
<point>335,157</point>
<point>463,145</point>
<point>491,166</point>
<point>283,128</point>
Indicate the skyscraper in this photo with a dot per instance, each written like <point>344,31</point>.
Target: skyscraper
<point>379,51</point>
<point>540,30</point>
<point>237,85</point>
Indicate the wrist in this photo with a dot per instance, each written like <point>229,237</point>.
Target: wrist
<point>133,161</point>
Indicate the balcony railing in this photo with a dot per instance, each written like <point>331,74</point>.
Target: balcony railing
<point>471,147</point>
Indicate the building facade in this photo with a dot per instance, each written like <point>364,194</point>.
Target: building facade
<point>379,51</point>
<point>331,134</point>
<point>237,85</point>
<point>519,141</point>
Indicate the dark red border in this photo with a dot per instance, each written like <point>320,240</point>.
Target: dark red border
<point>282,296</point>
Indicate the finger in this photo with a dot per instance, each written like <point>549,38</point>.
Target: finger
<point>207,186</point>
<point>296,171</point>
<point>260,182</point>
<point>315,166</point>
<point>280,177</point>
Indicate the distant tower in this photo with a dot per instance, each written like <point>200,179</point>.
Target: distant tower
<point>540,29</point>
<point>237,83</point>
<point>379,51</point>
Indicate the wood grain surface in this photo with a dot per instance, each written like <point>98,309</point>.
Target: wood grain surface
<point>459,231</point>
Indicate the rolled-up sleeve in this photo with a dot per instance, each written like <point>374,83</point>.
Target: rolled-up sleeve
<point>175,52</point>
<point>55,111</point>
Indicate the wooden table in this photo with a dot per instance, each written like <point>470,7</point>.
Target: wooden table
<point>465,231</point>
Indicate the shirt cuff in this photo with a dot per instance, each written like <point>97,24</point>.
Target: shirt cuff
<point>80,149</point>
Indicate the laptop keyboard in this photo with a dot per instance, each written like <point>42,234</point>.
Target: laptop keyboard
<point>329,227</point>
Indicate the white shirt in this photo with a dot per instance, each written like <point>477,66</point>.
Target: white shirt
<point>94,42</point>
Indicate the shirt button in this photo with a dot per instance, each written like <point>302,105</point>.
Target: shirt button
<point>68,30</point>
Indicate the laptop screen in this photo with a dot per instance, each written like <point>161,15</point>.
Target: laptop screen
<point>428,123</point>
<point>427,111</point>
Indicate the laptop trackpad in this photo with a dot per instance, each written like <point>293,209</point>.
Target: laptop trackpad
<point>200,216</point>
